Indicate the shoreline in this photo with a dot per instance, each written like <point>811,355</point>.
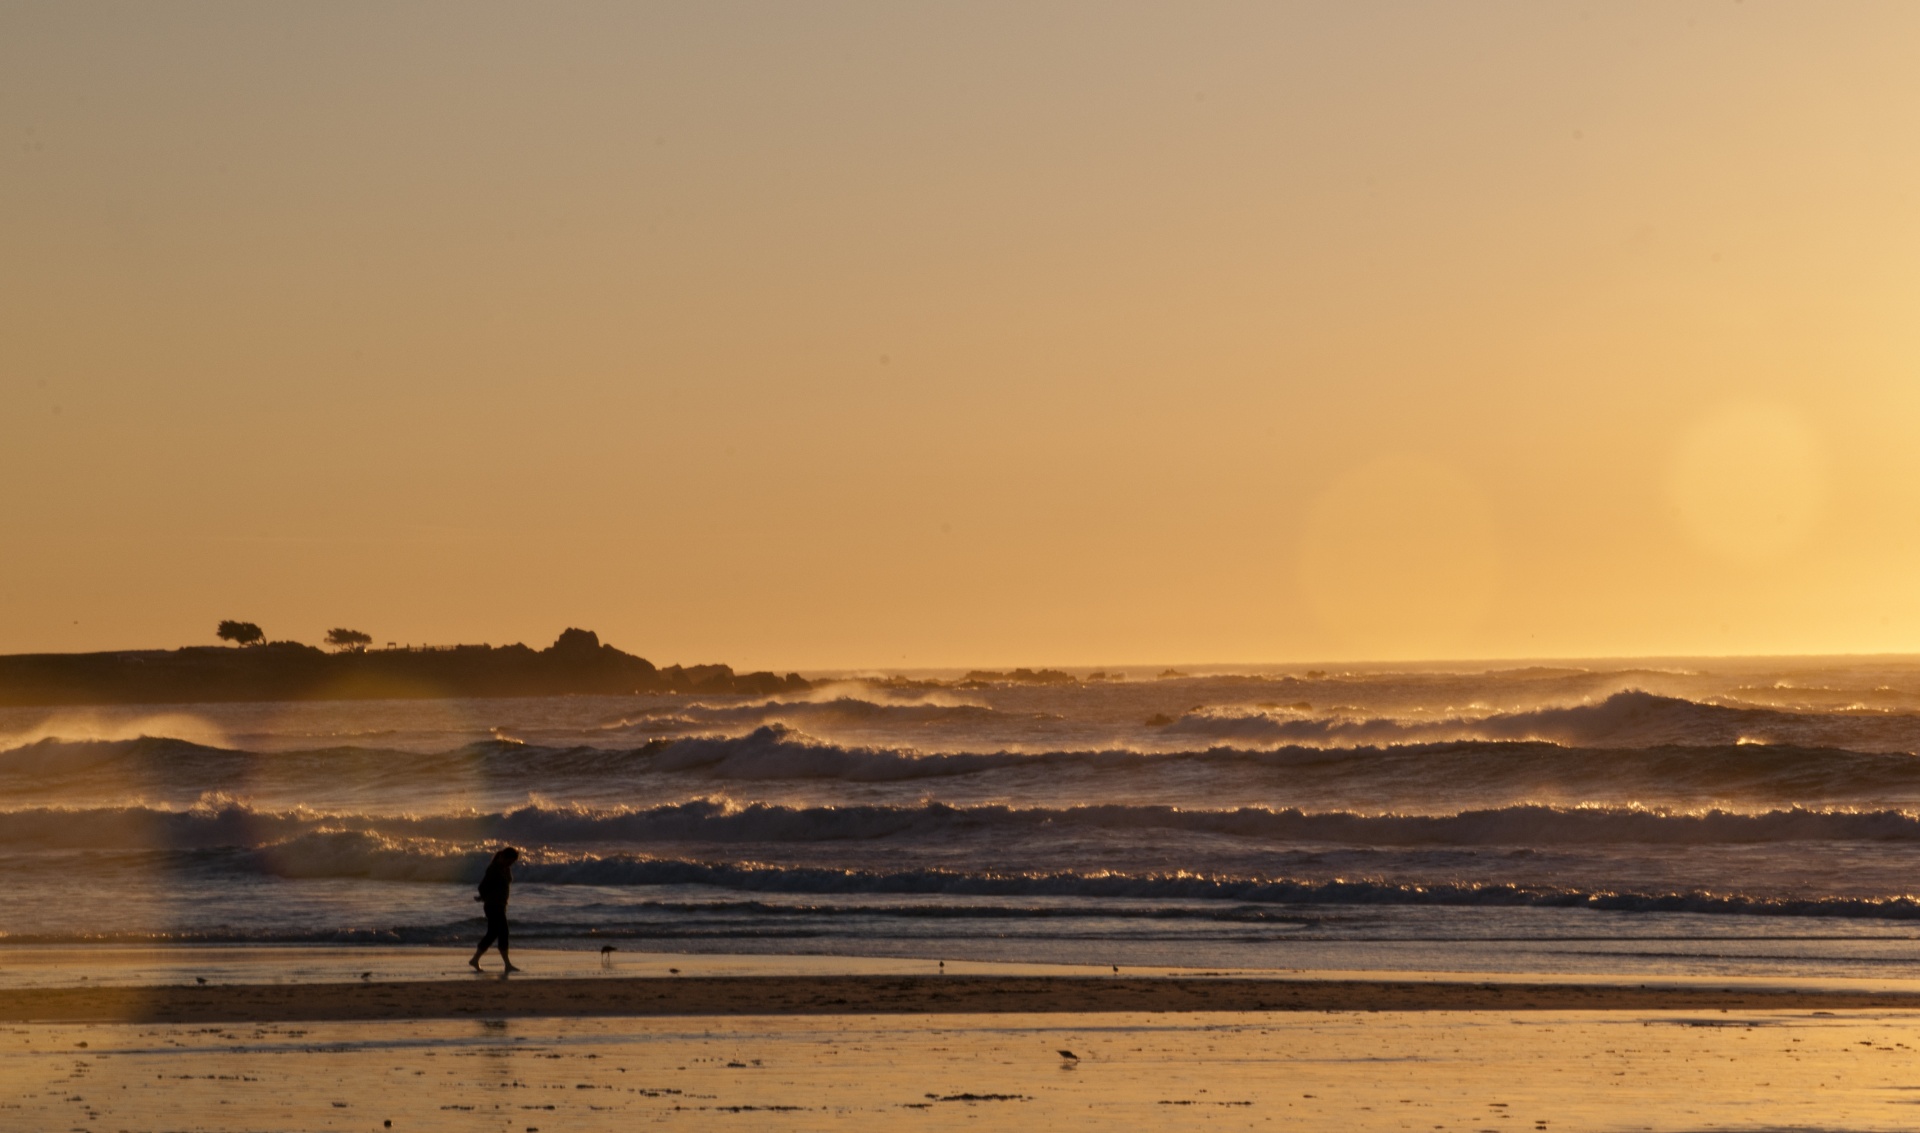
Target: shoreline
<point>494,996</point>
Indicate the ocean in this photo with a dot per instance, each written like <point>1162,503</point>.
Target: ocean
<point>1749,818</point>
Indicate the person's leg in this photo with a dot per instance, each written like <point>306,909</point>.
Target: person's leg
<point>503,944</point>
<point>496,931</point>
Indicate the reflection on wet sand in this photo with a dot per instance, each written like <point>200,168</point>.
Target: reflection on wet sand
<point>1344,1071</point>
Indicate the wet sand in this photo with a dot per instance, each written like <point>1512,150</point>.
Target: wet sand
<point>129,1039</point>
<point>519,997</point>
<point>1393,1071</point>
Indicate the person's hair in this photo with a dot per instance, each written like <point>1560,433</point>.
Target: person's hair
<point>509,853</point>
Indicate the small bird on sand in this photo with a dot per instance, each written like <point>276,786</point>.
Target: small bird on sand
<point>673,971</point>
<point>200,979</point>
<point>606,948</point>
<point>366,975</point>
<point>1116,969</point>
<point>1069,1056</point>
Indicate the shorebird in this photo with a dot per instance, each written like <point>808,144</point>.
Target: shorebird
<point>200,979</point>
<point>366,975</point>
<point>606,948</point>
<point>1069,1055</point>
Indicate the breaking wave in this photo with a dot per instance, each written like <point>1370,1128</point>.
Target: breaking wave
<point>1017,818</point>
<point>1513,767</point>
<point>1629,719</point>
<point>225,823</point>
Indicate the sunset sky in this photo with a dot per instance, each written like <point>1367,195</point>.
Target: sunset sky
<point>913,335</point>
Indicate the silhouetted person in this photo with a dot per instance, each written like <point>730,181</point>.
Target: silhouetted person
<point>493,899</point>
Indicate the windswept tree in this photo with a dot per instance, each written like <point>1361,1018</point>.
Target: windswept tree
<point>241,633</point>
<point>348,640</point>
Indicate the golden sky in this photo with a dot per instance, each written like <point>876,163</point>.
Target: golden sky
<point>885,334</point>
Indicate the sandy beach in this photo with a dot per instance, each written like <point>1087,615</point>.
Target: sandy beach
<point>124,1038</point>
<point>1668,1071</point>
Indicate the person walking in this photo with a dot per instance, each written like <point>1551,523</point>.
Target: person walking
<point>493,899</point>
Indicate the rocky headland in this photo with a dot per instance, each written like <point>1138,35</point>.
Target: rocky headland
<point>576,663</point>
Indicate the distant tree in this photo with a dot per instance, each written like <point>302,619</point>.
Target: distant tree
<point>241,633</point>
<point>349,640</point>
